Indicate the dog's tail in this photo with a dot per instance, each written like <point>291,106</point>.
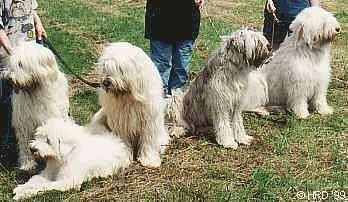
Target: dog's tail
<point>173,116</point>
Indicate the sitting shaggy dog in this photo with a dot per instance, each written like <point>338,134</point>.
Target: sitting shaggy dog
<point>297,76</point>
<point>213,98</point>
<point>73,154</point>
<point>41,92</point>
<point>132,101</point>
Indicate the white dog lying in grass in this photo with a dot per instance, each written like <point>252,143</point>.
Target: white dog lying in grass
<point>297,76</point>
<point>73,154</point>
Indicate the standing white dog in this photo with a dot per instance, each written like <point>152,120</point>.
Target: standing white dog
<point>132,101</point>
<point>73,154</point>
<point>213,98</point>
<point>297,76</point>
<point>41,92</point>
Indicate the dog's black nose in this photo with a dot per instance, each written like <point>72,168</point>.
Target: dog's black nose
<point>338,29</point>
<point>106,83</point>
<point>33,150</point>
<point>269,47</point>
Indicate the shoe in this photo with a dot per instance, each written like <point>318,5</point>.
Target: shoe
<point>176,91</point>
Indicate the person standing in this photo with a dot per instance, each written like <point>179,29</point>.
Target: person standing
<point>285,11</point>
<point>19,22</point>
<point>172,28</point>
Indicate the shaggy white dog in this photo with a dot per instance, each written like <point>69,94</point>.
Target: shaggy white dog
<point>213,98</point>
<point>132,101</point>
<point>297,76</point>
<point>73,154</point>
<point>41,92</point>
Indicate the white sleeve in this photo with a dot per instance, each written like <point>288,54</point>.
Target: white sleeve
<point>34,4</point>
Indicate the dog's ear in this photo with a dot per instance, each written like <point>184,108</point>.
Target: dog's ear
<point>300,32</point>
<point>224,37</point>
<point>297,29</point>
<point>230,42</point>
<point>138,96</point>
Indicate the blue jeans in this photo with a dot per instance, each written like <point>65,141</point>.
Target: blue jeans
<point>172,60</point>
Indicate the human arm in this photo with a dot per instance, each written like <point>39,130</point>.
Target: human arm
<point>5,42</point>
<point>199,3</point>
<point>315,2</point>
<point>40,30</point>
<point>270,6</point>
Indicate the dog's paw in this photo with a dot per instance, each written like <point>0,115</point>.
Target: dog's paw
<point>18,188</point>
<point>22,192</point>
<point>151,161</point>
<point>302,115</point>
<point>245,139</point>
<point>163,148</point>
<point>261,111</point>
<point>325,110</point>
<point>28,165</point>
<point>228,143</point>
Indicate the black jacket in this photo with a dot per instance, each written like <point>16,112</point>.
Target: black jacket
<point>171,20</point>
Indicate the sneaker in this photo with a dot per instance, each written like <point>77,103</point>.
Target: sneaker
<point>176,91</point>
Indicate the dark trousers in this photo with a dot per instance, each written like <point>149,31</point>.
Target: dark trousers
<point>7,137</point>
<point>5,110</point>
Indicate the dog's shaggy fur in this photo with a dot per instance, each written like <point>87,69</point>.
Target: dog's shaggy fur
<point>41,92</point>
<point>213,98</point>
<point>297,76</point>
<point>132,101</point>
<point>73,154</point>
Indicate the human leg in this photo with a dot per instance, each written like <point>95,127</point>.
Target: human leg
<point>182,54</point>
<point>161,55</point>
<point>5,111</point>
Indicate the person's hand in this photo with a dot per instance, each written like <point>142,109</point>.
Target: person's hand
<point>315,2</point>
<point>199,3</point>
<point>270,6</point>
<point>40,30</point>
<point>5,42</point>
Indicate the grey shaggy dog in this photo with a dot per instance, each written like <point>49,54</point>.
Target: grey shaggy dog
<point>213,98</point>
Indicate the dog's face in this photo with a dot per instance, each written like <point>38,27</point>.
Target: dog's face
<point>251,46</point>
<point>121,72</point>
<point>48,146</point>
<point>316,27</point>
<point>113,78</point>
<point>29,66</point>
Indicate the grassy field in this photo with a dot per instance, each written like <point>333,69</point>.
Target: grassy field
<point>288,155</point>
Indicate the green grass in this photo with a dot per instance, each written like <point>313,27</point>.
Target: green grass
<point>288,155</point>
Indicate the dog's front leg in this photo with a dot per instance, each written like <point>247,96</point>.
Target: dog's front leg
<point>34,189</point>
<point>22,190</point>
<point>223,130</point>
<point>33,181</point>
<point>262,111</point>
<point>319,103</point>
<point>25,160</point>
<point>300,108</point>
<point>152,144</point>
<point>238,129</point>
